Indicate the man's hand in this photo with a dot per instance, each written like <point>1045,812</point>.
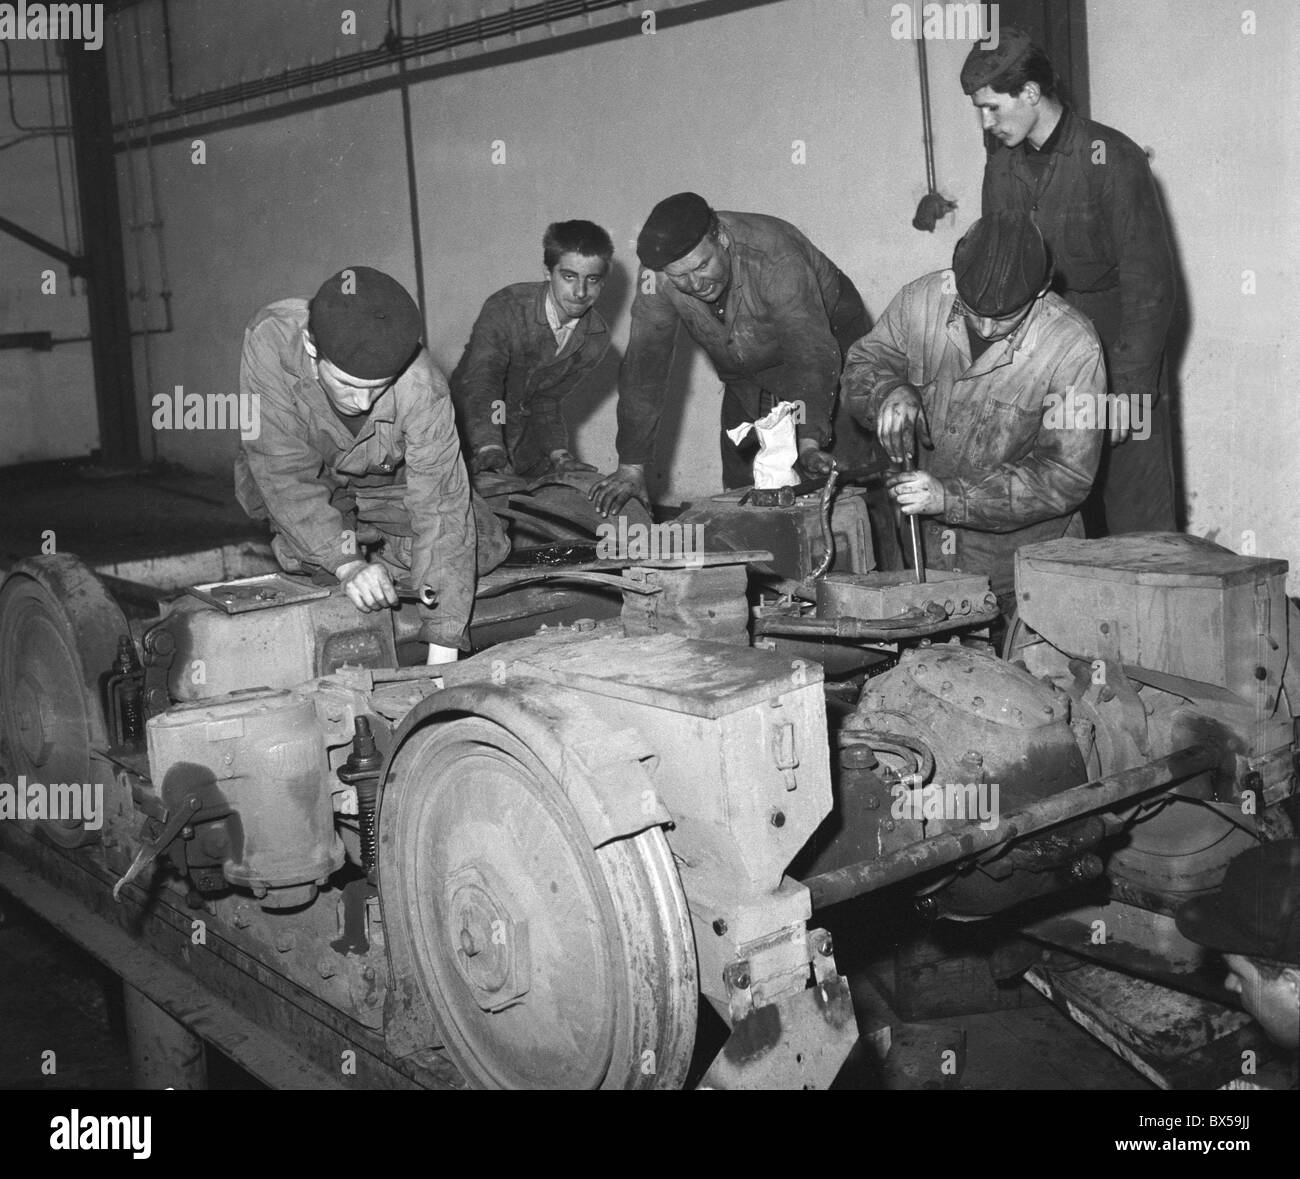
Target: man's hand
<point>1121,426</point>
<point>815,461</point>
<point>369,586</point>
<point>439,654</point>
<point>613,491</point>
<point>896,423</point>
<point>917,493</point>
<point>562,462</point>
<point>490,458</point>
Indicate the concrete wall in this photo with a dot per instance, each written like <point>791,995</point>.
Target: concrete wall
<point>716,105</point>
<point>47,399</point>
<point>600,132</point>
<point>1218,106</point>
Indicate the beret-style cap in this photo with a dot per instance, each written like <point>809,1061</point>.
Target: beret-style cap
<point>1000,264</point>
<point>985,62</point>
<point>365,323</point>
<point>676,225</point>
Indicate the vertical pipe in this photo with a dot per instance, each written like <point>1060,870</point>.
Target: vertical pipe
<point>101,222</point>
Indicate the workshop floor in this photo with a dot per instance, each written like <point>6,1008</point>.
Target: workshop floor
<point>75,1008</point>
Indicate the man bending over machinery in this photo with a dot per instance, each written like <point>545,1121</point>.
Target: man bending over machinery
<point>358,446</point>
<point>981,362</point>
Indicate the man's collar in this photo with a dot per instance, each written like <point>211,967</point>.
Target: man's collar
<point>1052,142</point>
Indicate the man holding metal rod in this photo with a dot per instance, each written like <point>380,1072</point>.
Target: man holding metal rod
<point>982,365</point>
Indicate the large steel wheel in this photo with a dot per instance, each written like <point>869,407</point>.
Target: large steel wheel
<point>58,632</point>
<point>548,964</point>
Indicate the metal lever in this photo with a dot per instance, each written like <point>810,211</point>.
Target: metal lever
<point>914,530</point>
<point>150,848</point>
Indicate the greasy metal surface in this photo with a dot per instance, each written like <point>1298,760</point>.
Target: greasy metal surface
<point>1177,1041</point>
<point>884,595</point>
<point>1144,596</point>
<point>793,535</point>
<point>59,631</point>
<point>280,1032</point>
<point>830,887</point>
<point>799,1043</point>
<point>218,653</point>
<point>665,671</point>
<point>706,603</point>
<point>544,962</point>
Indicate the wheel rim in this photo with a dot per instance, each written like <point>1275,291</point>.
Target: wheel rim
<point>49,722</point>
<point>525,940</point>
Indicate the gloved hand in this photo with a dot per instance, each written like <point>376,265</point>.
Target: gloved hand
<point>613,491</point>
<point>814,461</point>
<point>490,458</point>
<point>917,493</point>
<point>368,586</point>
<point>900,422</point>
<point>562,462</point>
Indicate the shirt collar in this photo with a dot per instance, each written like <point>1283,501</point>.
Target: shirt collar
<point>554,316</point>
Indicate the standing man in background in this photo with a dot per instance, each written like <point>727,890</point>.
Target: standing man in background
<point>532,345</point>
<point>1091,193</point>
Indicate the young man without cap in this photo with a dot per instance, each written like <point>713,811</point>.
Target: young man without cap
<point>971,362</point>
<point>1253,920</point>
<point>532,345</point>
<point>1090,191</point>
<point>358,444</point>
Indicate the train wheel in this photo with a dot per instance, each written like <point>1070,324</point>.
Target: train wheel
<point>58,632</point>
<point>549,964</point>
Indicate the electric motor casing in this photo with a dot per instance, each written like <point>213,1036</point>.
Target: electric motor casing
<point>259,756</point>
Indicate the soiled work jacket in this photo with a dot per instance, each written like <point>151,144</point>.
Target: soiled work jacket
<point>403,472</point>
<point>511,358</point>
<point>777,332</point>
<point>1008,449</point>
<point>1100,214</point>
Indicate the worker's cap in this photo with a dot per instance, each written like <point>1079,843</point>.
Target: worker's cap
<point>1256,911</point>
<point>988,59</point>
<point>365,323</point>
<point>1000,264</point>
<point>676,225</point>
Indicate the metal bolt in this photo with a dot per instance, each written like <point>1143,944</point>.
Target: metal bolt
<point>824,946</point>
<point>946,687</point>
<point>778,818</point>
<point>1105,628</point>
<point>326,969</point>
<point>973,757</point>
<point>285,941</point>
<point>977,702</point>
<point>740,980</point>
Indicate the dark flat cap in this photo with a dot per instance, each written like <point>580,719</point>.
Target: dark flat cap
<point>365,323</point>
<point>1256,911</point>
<point>987,60</point>
<point>676,225</point>
<point>1000,264</point>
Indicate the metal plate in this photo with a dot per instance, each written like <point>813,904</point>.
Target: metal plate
<point>256,593</point>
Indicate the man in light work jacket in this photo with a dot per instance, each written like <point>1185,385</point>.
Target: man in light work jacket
<point>532,345</point>
<point>1090,190</point>
<point>981,363</point>
<point>358,443</point>
<point>774,315</point>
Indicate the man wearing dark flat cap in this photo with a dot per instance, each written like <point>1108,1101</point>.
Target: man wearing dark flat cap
<point>1090,190</point>
<point>773,313</point>
<point>973,364</point>
<point>358,445</point>
<point>1253,920</point>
